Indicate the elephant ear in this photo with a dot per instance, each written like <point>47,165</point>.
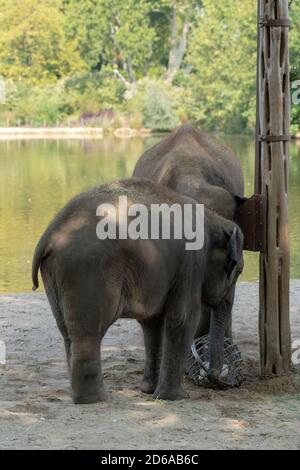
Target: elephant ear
<point>232,252</point>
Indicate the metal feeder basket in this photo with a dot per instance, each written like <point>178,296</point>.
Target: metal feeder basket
<point>198,364</point>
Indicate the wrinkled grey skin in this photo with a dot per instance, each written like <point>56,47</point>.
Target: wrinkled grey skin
<point>90,283</point>
<point>199,166</point>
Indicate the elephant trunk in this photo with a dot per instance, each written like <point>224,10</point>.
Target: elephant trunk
<point>219,320</point>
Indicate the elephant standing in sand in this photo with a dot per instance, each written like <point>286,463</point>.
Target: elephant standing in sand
<point>92,282</point>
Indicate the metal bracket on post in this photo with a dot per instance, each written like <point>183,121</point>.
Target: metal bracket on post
<point>251,219</point>
<point>274,138</point>
<point>272,23</point>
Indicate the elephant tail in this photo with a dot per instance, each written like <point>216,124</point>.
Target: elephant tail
<point>42,250</point>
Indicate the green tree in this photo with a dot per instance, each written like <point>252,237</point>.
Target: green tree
<point>117,34</point>
<point>295,40</point>
<point>32,42</point>
<point>222,56</point>
<point>160,59</point>
<point>295,59</point>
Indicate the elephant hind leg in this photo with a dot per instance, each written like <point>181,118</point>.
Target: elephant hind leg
<point>86,375</point>
<point>153,333</point>
<point>83,355</point>
<point>85,361</point>
<point>58,314</point>
<point>88,314</point>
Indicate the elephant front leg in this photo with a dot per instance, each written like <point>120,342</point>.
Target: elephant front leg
<point>176,347</point>
<point>153,331</point>
<point>86,375</point>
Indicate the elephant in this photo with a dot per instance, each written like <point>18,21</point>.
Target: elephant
<point>91,282</point>
<point>199,166</point>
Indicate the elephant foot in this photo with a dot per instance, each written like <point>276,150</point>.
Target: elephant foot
<point>162,393</point>
<point>148,386</point>
<point>88,399</point>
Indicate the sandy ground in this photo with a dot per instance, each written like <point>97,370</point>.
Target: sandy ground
<point>36,411</point>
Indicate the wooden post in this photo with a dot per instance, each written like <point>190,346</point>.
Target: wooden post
<point>272,182</point>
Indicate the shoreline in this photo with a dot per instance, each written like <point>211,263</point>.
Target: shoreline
<point>82,132</point>
<point>24,133</point>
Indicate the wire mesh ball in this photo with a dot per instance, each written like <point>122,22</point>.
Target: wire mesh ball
<point>198,363</point>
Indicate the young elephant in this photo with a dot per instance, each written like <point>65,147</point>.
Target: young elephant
<point>199,166</point>
<point>92,282</point>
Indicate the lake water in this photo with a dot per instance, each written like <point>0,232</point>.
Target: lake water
<point>38,177</point>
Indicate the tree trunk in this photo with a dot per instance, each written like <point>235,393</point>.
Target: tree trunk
<point>178,45</point>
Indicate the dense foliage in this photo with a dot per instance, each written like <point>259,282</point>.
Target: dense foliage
<point>139,63</point>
